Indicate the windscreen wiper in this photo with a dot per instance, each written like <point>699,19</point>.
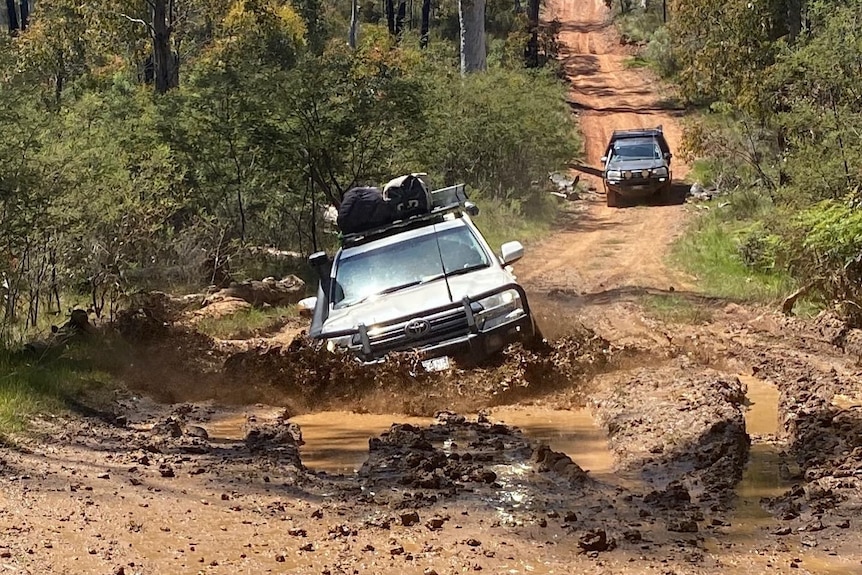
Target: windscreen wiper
<point>458,272</point>
<point>386,291</point>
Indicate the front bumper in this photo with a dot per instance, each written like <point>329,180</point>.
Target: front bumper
<point>638,188</point>
<point>480,345</point>
<point>454,332</point>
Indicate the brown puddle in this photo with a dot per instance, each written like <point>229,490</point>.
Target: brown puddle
<point>761,477</point>
<point>337,441</point>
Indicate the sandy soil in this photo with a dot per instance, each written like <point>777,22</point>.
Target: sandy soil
<point>628,446</point>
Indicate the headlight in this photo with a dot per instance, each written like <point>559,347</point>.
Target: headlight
<point>499,309</point>
<point>614,175</point>
<point>659,172</point>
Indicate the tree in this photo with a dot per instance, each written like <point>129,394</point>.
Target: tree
<point>426,23</point>
<point>471,17</point>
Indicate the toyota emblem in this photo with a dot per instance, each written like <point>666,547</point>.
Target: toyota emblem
<point>416,328</point>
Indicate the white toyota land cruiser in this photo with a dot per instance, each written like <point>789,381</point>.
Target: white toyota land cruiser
<point>429,283</point>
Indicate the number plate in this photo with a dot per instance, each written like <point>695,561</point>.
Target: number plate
<point>436,364</point>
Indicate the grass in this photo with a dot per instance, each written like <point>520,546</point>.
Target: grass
<point>637,62</point>
<point>30,385</point>
<point>671,308</point>
<point>247,323</point>
<point>710,251</point>
<point>502,222</point>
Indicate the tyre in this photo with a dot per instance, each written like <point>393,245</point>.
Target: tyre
<point>613,199</point>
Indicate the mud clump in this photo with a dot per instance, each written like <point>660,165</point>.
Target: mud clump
<point>548,460</point>
<point>445,457</point>
<point>826,441</point>
<point>674,427</point>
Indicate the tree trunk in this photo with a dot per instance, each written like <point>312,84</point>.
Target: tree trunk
<point>353,35</point>
<point>426,24</point>
<point>164,64</point>
<point>399,18</point>
<point>13,15</point>
<point>531,54</point>
<point>471,16</point>
<point>25,13</point>
<point>794,18</point>
<point>390,16</point>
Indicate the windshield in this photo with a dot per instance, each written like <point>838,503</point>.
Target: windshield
<point>406,263</point>
<point>639,149</point>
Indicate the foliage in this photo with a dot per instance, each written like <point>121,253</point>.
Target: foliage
<point>483,132</point>
<point>30,384</point>
<point>712,252</point>
<point>782,125</point>
<point>108,187</point>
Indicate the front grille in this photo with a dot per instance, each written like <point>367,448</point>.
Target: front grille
<point>442,326</point>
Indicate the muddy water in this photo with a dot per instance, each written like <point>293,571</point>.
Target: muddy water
<point>761,477</point>
<point>337,441</point>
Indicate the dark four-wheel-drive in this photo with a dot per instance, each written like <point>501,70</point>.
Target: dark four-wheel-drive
<point>414,273</point>
<point>636,165</point>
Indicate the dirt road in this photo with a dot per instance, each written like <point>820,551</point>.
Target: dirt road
<point>605,249</point>
<point>631,446</point>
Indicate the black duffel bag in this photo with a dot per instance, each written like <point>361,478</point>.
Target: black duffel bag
<point>363,209</point>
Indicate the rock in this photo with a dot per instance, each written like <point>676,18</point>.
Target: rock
<point>307,547</point>
<point>197,431</point>
<point>409,519</point>
<point>170,427</point>
<point>103,476</point>
<point>297,532</point>
<point>280,558</point>
<point>473,542</point>
<point>683,526</point>
<point>435,523</point>
<point>594,540</point>
<point>782,531</point>
<point>570,517</point>
<point>166,470</point>
<point>277,293</point>
<point>396,550</point>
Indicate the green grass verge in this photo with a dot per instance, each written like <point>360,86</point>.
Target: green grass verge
<point>247,323</point>
<point>710,251</point>
<point>502,222</point>
<point>671,308</point>
<point>30,385</point>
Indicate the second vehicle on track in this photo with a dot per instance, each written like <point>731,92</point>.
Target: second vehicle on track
<point>636,165</point>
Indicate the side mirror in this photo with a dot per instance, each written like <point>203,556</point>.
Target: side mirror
<point>471,209</point>
<point>318,260</point>
<point>512,252</point>
<point>604,159</point>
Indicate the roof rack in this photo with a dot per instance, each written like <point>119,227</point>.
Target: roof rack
<point>449,200</point>
<point>636,132</point>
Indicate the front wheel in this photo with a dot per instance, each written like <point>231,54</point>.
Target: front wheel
<point>613,198</point>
